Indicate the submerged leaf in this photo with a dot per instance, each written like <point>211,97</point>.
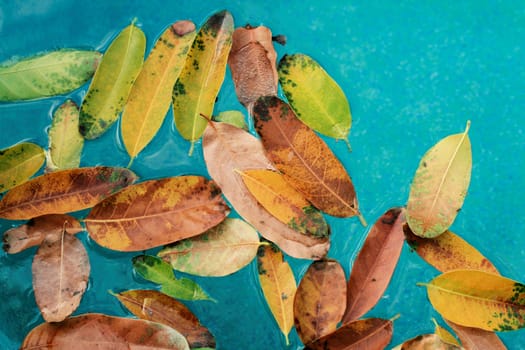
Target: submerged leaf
<point>97,331</point>
<point>156,212</point>
<point>201,78</point>
<point>158,307</point>
<point>150,96</point>
<point>220,251</point>
<point>49,74</point>
<point>427,342</point>
<point>477,339</point>
<point>18,163</point>
<point>63,191</point>
<point>235,118</point>
<point>112,82</point>
<point>440,185</point>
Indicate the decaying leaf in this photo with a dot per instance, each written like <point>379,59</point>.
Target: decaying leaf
<point>220,251</point>
<point>63,191</point>
<point>426,342</point>
<point>18,163</point>
<point>440,185</point>
<point>477,339</point>
<point>35,230</point>
<point>375,264</point>
<point>235,118</point>
<point>158,307</point>
<point>97,331</point>
<point>320,300</point>
<point>156,212</point>
<point>60,276</point>
<point>228,149</point>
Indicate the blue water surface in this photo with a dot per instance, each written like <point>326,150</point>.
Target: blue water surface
<point>413,71</point>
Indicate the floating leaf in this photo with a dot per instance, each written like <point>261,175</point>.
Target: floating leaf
<point>477,339</point>
<point>252,64</point>
<point>49,74</point>
<point>201,78</point>
<point>156,212</point>
<point>478,299</point>
<point>97,331</point>
<point>285,203</point>
<point>220,251</point>
<point>235,118</point>
<point>448,252</point>
<point>278,285</point>
<point>320,300</point>
<point>156,270</point>
<point>150,96</point>
<point>158,307</point>
<point>426,341</point>
<point>18,163</point>
<point>315,97</point>
<point>440,185</point>
<point>445,335</point>
<point>112,82</point>
<point>374,266</point>
<point>60,275</point>
<point>35,230</point>
<point>228,149</point>
<point>63,192</point>
<point>65,141</point>
<point>370,333</point>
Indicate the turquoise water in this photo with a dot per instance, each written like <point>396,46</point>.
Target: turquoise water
<point>413,72</point>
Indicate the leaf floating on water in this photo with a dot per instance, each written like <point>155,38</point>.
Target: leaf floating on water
<point>97,331</point>
<point>201,78</point>
<point>370,333</point>
<point>158,307</point>
<point>220,251</point>
<point>477,339</point>
<point>445,335</point>
<point>315,97</point>
<point>60,276</point>
<point>285,203</point>
<point>156,212</point>
<point>304,158</point>
<point>63,191</point>
<point>374,266</point>
<point>448,252</point>
<point>156,270</point>
<point>49,74</point>
<point>150,96</point>
<point>426,341</point>
<point>278,285</point>
<point>18,163</point>
<point>228,149</point>
<point>112,82</point>
<point>35,230</point>
<point>440,185</point>
<point>65,141</point>
<point>478,299</point>
<point>320,300</point>
<point>235,118</point>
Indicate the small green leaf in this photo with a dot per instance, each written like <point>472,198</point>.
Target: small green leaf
<point>235,118</point>
<point>18,163</point>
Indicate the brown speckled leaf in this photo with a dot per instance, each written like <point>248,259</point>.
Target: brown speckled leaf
<point>477,339</point>
<point>320,300</point>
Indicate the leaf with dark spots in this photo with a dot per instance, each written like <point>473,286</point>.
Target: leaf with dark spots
<point>18,163</point>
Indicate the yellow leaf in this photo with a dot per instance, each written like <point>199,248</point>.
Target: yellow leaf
<point>440,185</point>
<point>18,163</point>
<point>445,335</point>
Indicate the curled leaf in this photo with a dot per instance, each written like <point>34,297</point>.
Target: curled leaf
<point>18,163</point>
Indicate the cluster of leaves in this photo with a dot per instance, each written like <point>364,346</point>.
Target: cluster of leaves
<point>281,184</point>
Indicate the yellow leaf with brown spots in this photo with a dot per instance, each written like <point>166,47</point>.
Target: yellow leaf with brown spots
<point>156,212</point>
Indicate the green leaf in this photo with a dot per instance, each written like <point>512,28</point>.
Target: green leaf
<point>65,141</point>
<point>315,97</point>
<point>18,163</point>
<point>235,118</point>
<point>201,78</point>
<point>158,271</point>
<point>49,74</point>
<point>112,82</point>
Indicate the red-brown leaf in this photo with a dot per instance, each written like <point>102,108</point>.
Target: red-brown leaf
<point>477,339</point>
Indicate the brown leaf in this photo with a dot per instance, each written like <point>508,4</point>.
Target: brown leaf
<point>426,341</point>
<point>252,64</point>
<point>156,212</point>
<point>63,191</point>
<point>320,300</point>
<point>101,332</point>
<point>228,149</point>
<point>35,230</point>
<point>370,333</point>
<point>477,339</point>
<point>60,275</point>
<point>375,264</point>
<point>304,158</point>
<point>158,307</point>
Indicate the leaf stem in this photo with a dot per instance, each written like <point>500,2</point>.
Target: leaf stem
<point>348,144</point>
<point>362,219</point>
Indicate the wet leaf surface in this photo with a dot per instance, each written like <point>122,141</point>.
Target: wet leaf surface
<point>18,163</point>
